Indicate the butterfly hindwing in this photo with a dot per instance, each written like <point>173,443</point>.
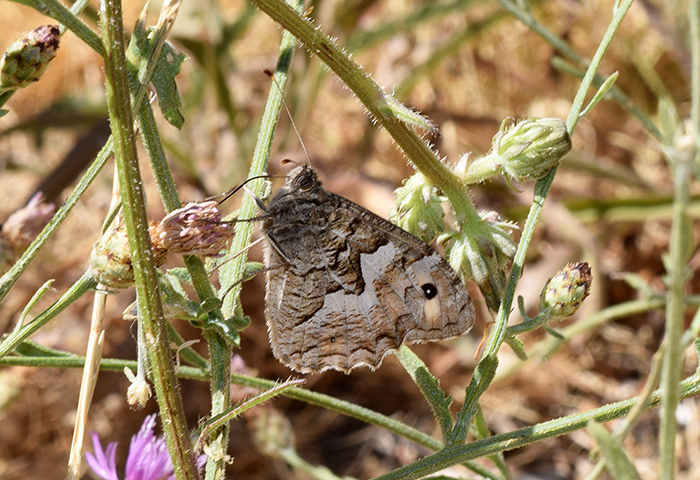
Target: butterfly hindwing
<point>345,287</point>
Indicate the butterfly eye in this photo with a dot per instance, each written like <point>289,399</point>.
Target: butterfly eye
<point>305,182</point>
<point>429,290</point>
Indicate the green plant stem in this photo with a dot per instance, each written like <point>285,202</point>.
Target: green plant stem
<point>77,290</point>
<point>219,349</point>
<point>547,347</point>
<point>694,25</point>
<point>678,275</point>
<point>133,202</point>
<point>525,16</point>
<point>544,185</point>
<point>456,454</point>
<point>68,18</point>
<point>383,107</point>
<point>574,114</point>
<point>635,413</point>
<point>209,428</point>
<point>232,271</point>
<point>220,385</point>
<point>233,266</point>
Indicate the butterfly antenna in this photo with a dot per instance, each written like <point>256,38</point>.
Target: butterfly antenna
<point>228,193</point>
<point>289,114</point>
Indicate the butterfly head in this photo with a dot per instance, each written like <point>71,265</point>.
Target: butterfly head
<point>302,179</point>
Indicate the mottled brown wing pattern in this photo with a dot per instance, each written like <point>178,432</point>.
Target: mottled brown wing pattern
<point>345,287</point>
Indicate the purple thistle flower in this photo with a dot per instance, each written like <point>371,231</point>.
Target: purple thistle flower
<point>148,457</point>
<point>103,463</point>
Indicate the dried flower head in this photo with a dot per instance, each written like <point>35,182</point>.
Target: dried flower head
<point>26,59</point>
<point>21,228</point>
<point>565,291</point>
<point>418,209</point>
<point>195,229</point>
<point>110,259</point>
<point>139,392</point>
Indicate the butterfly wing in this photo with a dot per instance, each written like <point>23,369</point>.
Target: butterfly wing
<point>346,287</point>
<point>348,293</point>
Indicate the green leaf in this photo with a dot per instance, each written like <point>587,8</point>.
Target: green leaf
<point>29,348</point>
<point>167,68</point>
<point>220,420</point>
<point>240,323</point>
<point>616,459</point>
<point>483,375</point>
<point>181,273</point>
<point>430,388</point>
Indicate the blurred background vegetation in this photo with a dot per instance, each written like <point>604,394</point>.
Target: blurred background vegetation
<point>466,65</point>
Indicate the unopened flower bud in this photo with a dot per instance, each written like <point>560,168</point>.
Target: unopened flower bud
<point>27,58</point>
<point>195,229</point>
<point>484,254</point>
<point>565,292</point>
<point>529,149</point>
<point>110,259</point>
<point>418,210</point>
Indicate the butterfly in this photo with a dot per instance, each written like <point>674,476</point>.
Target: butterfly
<point>346,287</point>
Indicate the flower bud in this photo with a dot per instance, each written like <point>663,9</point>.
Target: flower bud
<point>110,259</point>
<point>195,229</point>
<point>565,292</point>
<point>27,58</point>
<point>529,149</point>
<point>483,253</point>
<point>418,210</point>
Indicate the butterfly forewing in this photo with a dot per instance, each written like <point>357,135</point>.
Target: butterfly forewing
<point>345,287</point>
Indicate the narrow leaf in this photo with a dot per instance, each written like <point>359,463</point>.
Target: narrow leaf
<point>209,427</point>
<point>616,459</point>
<point>430,388</point>
<point>483,375</point>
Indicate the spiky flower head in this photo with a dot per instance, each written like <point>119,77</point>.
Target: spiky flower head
<point>148,457</point>
<point>110,259</point>
<point>565,291</point>
<point>195,229</point>
<point>529,149</point>
<point>522,150</point>
<point>483,253</point>
<point>418,210</point>
<point>26,59</point>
